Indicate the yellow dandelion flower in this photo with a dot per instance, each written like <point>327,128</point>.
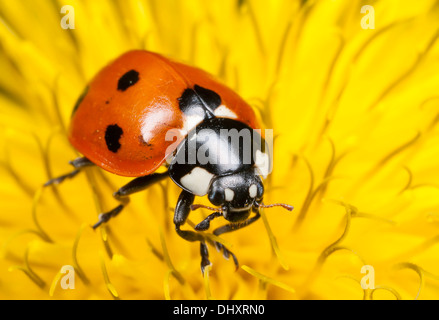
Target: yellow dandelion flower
<point>350,90</point>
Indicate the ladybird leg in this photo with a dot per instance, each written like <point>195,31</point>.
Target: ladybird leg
<point>204,252</point>
<point>78,164</point>
<point>205,224</point>
<point>232,227</point>
<point>104,217</point>
<point>182,210</point>
<point>235,226</point>
<point>122,195</point>
<point>139,184</point>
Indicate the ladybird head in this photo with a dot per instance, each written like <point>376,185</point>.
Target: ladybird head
<point>237,194</point>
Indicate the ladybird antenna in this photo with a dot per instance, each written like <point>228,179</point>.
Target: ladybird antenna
<point>283,205</point>
<point>198,206</point>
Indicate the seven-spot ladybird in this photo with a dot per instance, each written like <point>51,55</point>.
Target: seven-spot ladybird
<point>144,111</point>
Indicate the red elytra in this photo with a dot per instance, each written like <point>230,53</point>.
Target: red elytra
<point>138,94</point>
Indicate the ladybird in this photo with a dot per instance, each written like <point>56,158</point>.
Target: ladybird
<point>144,111</point>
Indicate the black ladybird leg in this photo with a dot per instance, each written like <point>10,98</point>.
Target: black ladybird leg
<point>204,252</point>
<point>78,164</point>
<point>235,226</point>
<point>205,224</point>
<point>232,227</point>
<point>182,210</point>
<point>122,195</point>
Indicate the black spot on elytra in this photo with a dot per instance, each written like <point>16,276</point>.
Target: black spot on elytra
<point>78,102</point>
<point>112,137</point>
<point>127,80</point>
<point>199,101</point>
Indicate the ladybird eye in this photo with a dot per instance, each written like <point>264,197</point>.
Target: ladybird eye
<point>260,191</point>
<point>216,196</point>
